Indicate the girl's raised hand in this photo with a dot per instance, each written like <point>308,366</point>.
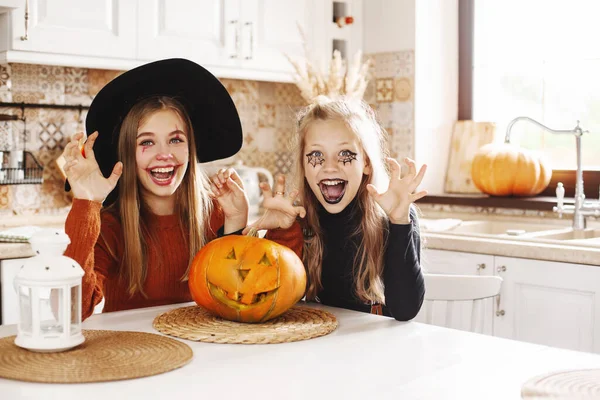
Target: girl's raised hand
<point>83,173</point>
<point>400,194</point>
<point>227,187</point>
<point>280,211</point>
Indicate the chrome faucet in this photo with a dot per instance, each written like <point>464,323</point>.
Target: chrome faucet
<point>580,209</point>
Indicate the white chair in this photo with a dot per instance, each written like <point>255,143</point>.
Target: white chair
<point>462,302</point>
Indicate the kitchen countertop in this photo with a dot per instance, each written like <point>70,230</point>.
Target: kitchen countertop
<point>20,250</point>
<point>513,248</point>
<point>432,240</point>
<point>367,356</point>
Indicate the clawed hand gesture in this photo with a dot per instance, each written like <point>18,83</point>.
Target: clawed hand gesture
<point>83,172</point>
<point>400,194</point>
<point>227,188</point>
<point>280,211</point>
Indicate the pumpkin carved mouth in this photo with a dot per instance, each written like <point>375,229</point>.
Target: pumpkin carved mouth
<point>240,300</point>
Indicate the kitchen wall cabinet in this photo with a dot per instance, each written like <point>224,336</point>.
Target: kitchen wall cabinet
<point>243,39</point>
<point>233,38</point>
<point>97,33</point>
<point>550,303</point>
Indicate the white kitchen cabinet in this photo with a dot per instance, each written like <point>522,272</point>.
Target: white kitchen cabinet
<point>244,39</point>
<point>456,263</point>
<point>241,39</point>
<point>202,30</point>
<point>550,303</point>
<point>8,271</point>
<point>71,32</point>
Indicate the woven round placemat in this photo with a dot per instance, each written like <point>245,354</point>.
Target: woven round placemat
<point>576,384</point>
<point>104,356</point>
<point>195,323</point>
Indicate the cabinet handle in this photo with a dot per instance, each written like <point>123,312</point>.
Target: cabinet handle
<point>480,266</point>
<point>237,38</point>
<point>251,56</point>
<point>26,36</point>
<point>501,269</point>
<point>499,312</point>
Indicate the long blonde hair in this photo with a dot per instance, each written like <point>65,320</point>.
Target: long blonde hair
<point>360,119</point>
<point>192,204</point>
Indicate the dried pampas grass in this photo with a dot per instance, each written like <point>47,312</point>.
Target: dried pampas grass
<point>342,79</point>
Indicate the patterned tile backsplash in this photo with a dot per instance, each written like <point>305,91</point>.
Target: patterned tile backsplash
<point>266,109</point>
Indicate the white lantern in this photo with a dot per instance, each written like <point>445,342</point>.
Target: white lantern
<point>48,286</point>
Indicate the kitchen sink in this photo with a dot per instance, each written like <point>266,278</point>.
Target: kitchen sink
<point>509,228</point>
<point>487,228</point>
<point>516,230</point>
<point>569,234</point>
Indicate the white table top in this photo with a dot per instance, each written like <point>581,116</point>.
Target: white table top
<point>366,357</point>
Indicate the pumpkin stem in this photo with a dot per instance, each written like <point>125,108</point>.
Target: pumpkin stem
<point>252,232</point>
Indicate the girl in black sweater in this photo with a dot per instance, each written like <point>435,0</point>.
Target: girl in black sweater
<point>362,245</point>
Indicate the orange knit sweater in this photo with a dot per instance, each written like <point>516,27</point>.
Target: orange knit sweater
<point>167,262</point>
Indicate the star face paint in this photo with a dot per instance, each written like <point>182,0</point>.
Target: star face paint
<point>334,178</point>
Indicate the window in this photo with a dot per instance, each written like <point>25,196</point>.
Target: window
<point>541,59</point>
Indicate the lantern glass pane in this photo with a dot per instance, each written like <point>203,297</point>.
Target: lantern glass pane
<point>25,320</point>
<point>51,306</point>
<point>75,309</point>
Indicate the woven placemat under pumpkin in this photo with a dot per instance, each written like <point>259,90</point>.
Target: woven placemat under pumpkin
<point>104,356</point>
<point>575,384</point>
<point>195,323</point>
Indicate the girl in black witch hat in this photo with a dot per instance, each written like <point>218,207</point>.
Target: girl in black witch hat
<point>136,224</point>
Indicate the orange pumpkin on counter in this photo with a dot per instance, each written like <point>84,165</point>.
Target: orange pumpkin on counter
<point>246,278</point>
<point>507,170</point>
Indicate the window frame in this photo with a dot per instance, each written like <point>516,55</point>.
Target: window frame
<point>466,27</point>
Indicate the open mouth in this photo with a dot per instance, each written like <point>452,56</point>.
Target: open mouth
<point>333,190</point>
<point>162,175</point>
<point>239,300</point>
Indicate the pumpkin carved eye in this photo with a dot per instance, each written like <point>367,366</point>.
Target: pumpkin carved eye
<point>231,255</point>
<point>265,260</point>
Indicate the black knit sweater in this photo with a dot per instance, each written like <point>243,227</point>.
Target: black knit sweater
<point>402,277</point>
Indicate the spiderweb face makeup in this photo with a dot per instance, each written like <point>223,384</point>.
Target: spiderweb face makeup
<point>315,158</point>
<point>346,156</point>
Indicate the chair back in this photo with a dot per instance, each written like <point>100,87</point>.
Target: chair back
<point>462,302</point>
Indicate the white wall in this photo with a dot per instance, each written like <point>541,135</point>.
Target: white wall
<point>436,87</point>
<point>389,25</point>
<point>430,27</point>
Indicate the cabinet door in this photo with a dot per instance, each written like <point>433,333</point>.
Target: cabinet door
<point>458,263</point>
<point>102,28</point>
<point>205,31</point>
<point>270,30</point>
<point>550,303</point>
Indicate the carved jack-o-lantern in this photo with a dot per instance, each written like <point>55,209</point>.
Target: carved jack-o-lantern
<point>246,279</point>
